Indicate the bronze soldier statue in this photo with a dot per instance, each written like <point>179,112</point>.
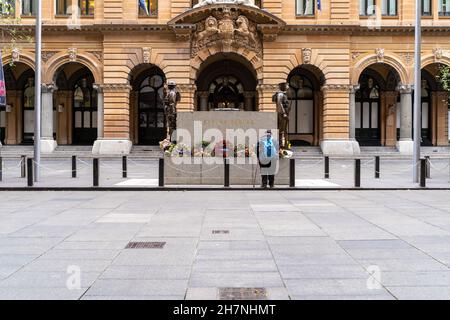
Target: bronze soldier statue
<point>283,108</point>
<point>172,98</point>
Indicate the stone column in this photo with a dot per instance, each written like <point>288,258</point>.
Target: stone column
<point>390,118</point>
<point>100,110</point>
<point>442,124</point>
<point>116,121</point>
<point>249,98</point>
<point>406,144</point>
<point>203,95</point>
<point>352,112</point>
<point>336,135</point>
<point>48,143</point>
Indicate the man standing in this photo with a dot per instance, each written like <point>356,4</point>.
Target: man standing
<point>267,152</point>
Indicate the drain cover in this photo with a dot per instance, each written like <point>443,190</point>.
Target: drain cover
<point>145,245</point>
<point>242,294</point>
<point>220,231</point>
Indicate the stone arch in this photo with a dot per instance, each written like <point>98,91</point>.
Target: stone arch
<point>24,57</point>
<point>58,60</point>
<point>389,59</point>
<point>431,59</point>
<point>149,58</point>
<point>197,63</point>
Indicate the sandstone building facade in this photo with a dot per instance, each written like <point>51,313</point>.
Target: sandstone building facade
<point>349,64</point>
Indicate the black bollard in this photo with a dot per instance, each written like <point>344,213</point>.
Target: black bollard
<point>30,172</point>
<point>161,172</point>
<point>427,158</point>
<point>23,166</point>
<point>423,173</point>
<point>292,173</point>
<point>74,166</point>
<point>327,168</point>
<point>377,167</point>
<point>357,173</point>
<point>226,166</point>
<point>124,167</point>
<point>1,168</point>
<point>96,172</point>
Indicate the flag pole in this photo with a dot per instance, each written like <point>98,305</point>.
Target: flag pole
<point>37,95</point>
<point>417,122</point>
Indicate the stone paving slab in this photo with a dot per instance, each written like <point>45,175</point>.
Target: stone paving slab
<point>297,245</point>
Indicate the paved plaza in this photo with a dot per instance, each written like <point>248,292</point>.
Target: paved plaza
<point>292,244</point>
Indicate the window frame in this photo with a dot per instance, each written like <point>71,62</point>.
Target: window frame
<point>309,15</point>
<point>32,8</point>
<point>151,15</point>
<point>388,3</point>
<point>366,6</point>
<point>88,2</point>
<point>67,4</point>
<point>430,14</point>
<point>443,14</point>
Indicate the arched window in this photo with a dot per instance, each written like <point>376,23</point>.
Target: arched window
<point>84,111</point>
<point>226,92</point>
<point>151,109</point>
<point>28,111</point>
<point>301,97</point>
<point>367,113</point>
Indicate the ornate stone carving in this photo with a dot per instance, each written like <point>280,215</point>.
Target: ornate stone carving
<point>15,54</point>
<point>48,87</point>
<point>354,88</point>
<point>72,54</point>
<point>146,52</point>
<point>97,54</point>
<point>438,54</point>
<point>119,87</point>
<point>380,54</point>
<point>405,88</point>
<point>355,55</point>
<point>250,3</point>
<point>306,55</point>
<point>228,28</point>
<point>408,57</point>
<point>336,87</point>
<point>46,55</point>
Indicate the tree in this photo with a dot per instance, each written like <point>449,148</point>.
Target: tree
<point>10,27</point>
<point>444,77</point>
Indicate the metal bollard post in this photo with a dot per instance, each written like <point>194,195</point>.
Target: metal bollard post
<point>30,172</point>
<point>423,173</point>
<point>292,173</point>
<point>74,166</point>
<point>96,172</point>
<point>377,167</point>
<point>124,167</point>
<point>161,172</point>
<point>327,167</point>
<point>23,166</point>
<point>428,162</point>
<point>226,182</point>
<point>357,173</point>
<point>1,168</point>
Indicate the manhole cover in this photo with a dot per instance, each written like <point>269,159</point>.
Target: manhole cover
<point>220,232</point>
<point>145,245</point>
<point>242,294</point>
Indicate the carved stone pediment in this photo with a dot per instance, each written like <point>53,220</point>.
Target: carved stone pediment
<point>228,26</point>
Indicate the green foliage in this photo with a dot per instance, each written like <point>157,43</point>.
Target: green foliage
<point>444,77</point>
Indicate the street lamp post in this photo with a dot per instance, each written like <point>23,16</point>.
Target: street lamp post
<point>417,92</point>
<point>37,96</point>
